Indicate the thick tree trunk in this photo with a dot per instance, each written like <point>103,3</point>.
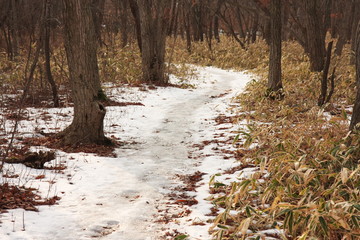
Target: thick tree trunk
<point>153,37</point>
<point>355,119</point>
<point>81,48</point>
<point>315,35</point>
<point>274,81</point>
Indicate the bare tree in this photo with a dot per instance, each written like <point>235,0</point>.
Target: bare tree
<point>81,48</point>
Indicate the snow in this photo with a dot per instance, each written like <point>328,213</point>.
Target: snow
<point>122,197</point>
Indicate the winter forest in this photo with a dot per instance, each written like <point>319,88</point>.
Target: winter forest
<point>180,119</point>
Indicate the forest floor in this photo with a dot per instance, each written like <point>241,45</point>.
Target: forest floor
<point>157,185</point>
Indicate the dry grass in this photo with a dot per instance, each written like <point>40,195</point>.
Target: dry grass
<point>308,163</point>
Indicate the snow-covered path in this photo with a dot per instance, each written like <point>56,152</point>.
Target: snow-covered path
<point>118,198</point>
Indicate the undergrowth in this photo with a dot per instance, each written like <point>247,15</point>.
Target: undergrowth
<point>117,65</point>
<point>308,179</point>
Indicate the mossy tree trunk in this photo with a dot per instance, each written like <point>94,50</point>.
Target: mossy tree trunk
<point>81,47</point>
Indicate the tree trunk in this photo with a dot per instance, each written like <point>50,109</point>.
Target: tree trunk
<point>81,48</point>
<point>254,27</point>
<point>216,28</point>
<point>123,22</point>
<point>135,12</point>
<point>355,119</point>
<point>267,31</point>
<point>47,53</point>
<point>274,81</point>
<point>153,37</point>
<point>345,26</point>
<point>315,35</point>
<point>172,17</point>
<point>355,19</point>
<point>97,8</point>
<point>14,31</point>
<point>186,18</point>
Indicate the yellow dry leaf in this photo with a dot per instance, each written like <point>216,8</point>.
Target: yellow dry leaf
<point>354,172</point>
<point>275,202</point>
<point>303,236</point>
<point>244,225</point>
<point>344,175</point>
<point>263,165</point>
<point>344,224</point>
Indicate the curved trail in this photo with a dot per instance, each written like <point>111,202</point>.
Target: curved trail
<point>118,198</point>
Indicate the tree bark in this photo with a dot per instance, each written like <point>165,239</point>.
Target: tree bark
<point>47,53</point>
<point>315,35</point>
<point>81,48</point>
<point>123,22</point>
<point>324,81</point>
<point>186,19</point>
<point>173,15</point>
<point>274,80</point>
<point>355,119</point>
<point>97,8</point>
<point>355,19</point>
<point>153,38</point>
<point>14,28</point>
<point>135,12</point>
<point>216,28</point>
<point>345,26</point>
<point>254,27</point>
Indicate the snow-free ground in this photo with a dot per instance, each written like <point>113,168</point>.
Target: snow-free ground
<point>128,197</point>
